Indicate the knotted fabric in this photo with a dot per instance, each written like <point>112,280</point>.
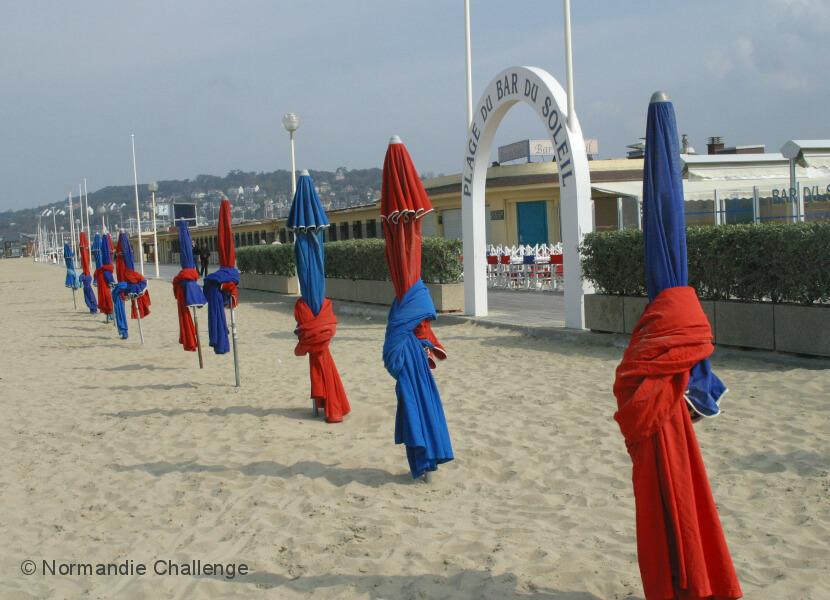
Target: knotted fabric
<point>86,278</point>
<point>135,287</point>
<point>315,333</point>
<point>187,293</point>
<point>220,290</point>
<point>680,543</point>
<point>118,292</point>
<point>104,279</point>
<point>420,423</point>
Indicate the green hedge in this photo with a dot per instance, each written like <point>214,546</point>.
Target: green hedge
<point>781,262</point>
<point>267,260</point>
<point>357,259</point>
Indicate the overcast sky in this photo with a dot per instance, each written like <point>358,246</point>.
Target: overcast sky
<point>204,83</point>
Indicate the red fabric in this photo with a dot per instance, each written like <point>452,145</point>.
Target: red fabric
<point>142,302</point>
<point>680,544</point>
<point>104,295</point>
<point>120,267</point>
<point>314,335</point>
<point>83,246</point>
<point>187,330</point>
<point>232,289</point>
<point>224,239</point>
<point>401,194</point>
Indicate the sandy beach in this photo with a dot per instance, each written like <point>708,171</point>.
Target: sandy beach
<point>113,452</point>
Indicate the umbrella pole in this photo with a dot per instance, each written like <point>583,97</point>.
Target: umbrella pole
<point>427,477</point>
<point>138,312</point>
<point>235,337</point>
<point>74,301</point>
<point>198,342</point>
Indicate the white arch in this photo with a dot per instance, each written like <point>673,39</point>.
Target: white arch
<point>542,92</point>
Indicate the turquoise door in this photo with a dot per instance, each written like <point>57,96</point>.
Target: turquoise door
<point>532,220</point>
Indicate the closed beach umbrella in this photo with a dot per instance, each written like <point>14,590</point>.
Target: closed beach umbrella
<point>410,343</point>
<point>680,543</point>
<point>103,273</point>
<point>86,278</point>
<point>71,281</point>
<point>117,289</point>
<point>189,295</point>
<point>316,323</point>
<point>132,285</point>
<point>135,283</point>
<point>221,289</point>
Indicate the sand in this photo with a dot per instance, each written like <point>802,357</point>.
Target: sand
<point>114,452</point>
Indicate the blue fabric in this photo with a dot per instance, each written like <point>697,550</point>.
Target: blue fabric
<point>71,280</point>
<point>216,301</point>
<point>311,270</point>
<point>193,294</point>
<point>306,218</point>
<point>664,236</point>
<point>96,250</point>
<point>420,421</point>
<point>89,294</point>
<point>306,210</point>
<point>106,258</point>
<point>131,289</point>
<point>118,309</point>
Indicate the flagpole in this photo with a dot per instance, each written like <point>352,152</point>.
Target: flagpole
<point>137,208</point>
<point>86,210</point>
<point>72,226</point>
<point>569,67</point>
<point>469,63</point>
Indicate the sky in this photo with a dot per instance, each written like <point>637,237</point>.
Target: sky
<point>203,84</point>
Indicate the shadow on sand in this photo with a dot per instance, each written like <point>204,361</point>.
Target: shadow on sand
<point>336,475</point>
<point>464,584</point>
<point>294,412</point>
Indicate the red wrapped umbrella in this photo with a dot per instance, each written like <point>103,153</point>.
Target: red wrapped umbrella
<point>403,202</point>
<point>410,345</point>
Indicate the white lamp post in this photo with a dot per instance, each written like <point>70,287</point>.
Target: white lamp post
<point>291,122</point>
<point>87,212</point>
<point>154,187</point>
<point>71,226</point>
<point>137,208</point>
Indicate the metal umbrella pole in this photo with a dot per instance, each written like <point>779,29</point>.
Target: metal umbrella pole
<point>235,335</point>
<point>199,343</point>
<point>138,312</point>
<point>74,301</point>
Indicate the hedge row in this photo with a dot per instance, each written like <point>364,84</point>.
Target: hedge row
<point>277,259</point>
<point>357,259</point>
<point>780,262</point>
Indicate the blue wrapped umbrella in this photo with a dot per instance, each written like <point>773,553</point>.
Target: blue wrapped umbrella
<point>308,220</point>
<point>316,322</point>
<point>664,235</point>
<point>72,281</point>
<point>131,284</point>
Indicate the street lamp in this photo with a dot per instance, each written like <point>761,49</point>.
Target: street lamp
<point>153,187</point>
<point>291,122</point>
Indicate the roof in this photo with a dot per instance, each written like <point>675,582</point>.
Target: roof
<point>539,173</point>
<point>793,148</point>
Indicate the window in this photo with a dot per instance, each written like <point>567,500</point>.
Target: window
<point>357,230</point>
<point>333,232</point>
<point>256,237</point>
<point>283,236</point>
<point>344,230</point>
<point>236,240</point>
<point>371,228</point>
